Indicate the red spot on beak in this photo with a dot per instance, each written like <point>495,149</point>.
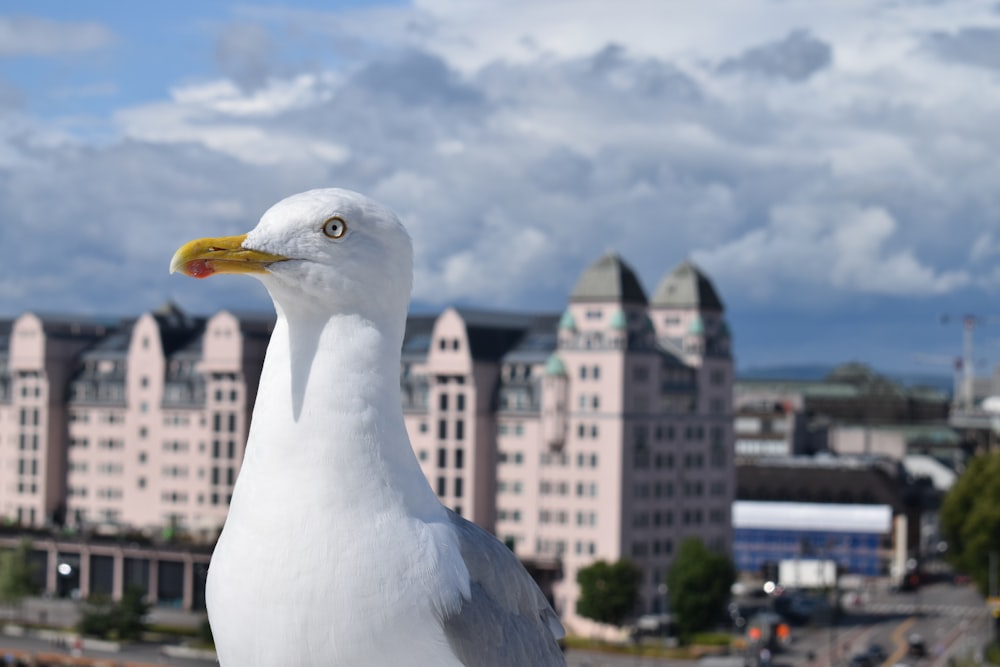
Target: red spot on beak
<point>199,268</point>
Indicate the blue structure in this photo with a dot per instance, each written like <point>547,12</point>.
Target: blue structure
<point>852,535</point>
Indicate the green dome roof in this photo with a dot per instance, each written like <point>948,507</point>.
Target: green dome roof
<point>567,321</point>
<point>619,321</point>
<point>697,327</point>
<point>555,366</point>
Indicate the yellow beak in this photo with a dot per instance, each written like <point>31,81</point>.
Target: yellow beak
<point>203,257</point>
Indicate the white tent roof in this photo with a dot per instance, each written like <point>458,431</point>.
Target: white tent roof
<point>920,465</point>
<point>812,516</point>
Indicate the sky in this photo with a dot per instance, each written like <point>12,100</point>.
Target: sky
<point>832,165</point>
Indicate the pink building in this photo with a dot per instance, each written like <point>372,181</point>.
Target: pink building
<point>603,432</point>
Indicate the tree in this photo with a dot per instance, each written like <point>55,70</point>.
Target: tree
<point>16,575</point>
<point>125,619</point>
<point>698,583</point>
<point>970,519</point>
<point>608,591</point>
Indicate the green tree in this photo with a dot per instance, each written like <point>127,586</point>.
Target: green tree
<point>16,575</point>
<point>105,618</point>
<point>698,584</point>
<point>970,518</point>
<point>608,591</point>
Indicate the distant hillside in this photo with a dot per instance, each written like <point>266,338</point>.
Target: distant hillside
<point>790,372</point>
<point>942,383</point>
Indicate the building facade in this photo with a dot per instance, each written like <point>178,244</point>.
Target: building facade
<point>602,432</point>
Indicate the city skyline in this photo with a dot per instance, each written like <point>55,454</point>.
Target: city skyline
<point>831,165</point>
<point>605,431</point>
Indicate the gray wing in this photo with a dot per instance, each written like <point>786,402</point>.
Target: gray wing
<point>507,622</point>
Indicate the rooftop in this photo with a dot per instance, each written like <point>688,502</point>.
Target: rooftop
<point>687,287</point>
<point>608,279</point>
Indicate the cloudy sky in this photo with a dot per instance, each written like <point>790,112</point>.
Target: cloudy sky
<point>832,165</point>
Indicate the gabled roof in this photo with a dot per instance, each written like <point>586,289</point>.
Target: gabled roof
<point>417,336</point>
<point>75,327</point>
<point>493,334</point>
<point>687,287</point>
<point>608,279</point>
<point>5,328</point>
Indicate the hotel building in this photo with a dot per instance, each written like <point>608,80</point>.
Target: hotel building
<point>602,432</point>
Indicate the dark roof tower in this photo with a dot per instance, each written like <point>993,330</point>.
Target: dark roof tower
<point>608,279</point>
<point>687,287</point>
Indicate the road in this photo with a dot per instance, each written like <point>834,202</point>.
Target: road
<point>139,653</point>
<point>952,620</point>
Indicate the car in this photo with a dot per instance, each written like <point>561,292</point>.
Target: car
<point>916,645</point>
<point>861,660</point>
<point>876,653</point>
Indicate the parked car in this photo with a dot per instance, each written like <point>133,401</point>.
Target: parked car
<point>917,646</point>
<point>876,653</point>
<point>862,660</point>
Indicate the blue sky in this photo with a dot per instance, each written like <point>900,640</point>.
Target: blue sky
<point>832,165</point>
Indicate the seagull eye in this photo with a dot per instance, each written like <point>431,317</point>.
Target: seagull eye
<point>335,227</point>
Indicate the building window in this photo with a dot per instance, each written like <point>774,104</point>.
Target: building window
<point>443,402</point>
<point>442,457</point>
<point>596,372</point>
<point>460,402</point>
<point>441,486</point>
<point>442,429</point>
<point>458,487</point>
<point>583,372</point>
<point>459,458</point>
<point>459,430</point>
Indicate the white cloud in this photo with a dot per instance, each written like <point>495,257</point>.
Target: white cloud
<point>521,140</point>
<point>33,36</point>
<point>221,117</point>
<point>806,249</point>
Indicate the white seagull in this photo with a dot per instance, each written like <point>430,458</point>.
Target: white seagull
<point>336,552</point>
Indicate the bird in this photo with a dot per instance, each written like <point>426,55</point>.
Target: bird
<point>335,550</point>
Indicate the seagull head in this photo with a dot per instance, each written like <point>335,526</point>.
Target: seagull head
<point>328,250</point>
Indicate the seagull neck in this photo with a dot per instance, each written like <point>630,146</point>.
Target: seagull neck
<point>329,404</point>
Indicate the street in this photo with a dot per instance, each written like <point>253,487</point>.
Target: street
<point>952,620</point>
